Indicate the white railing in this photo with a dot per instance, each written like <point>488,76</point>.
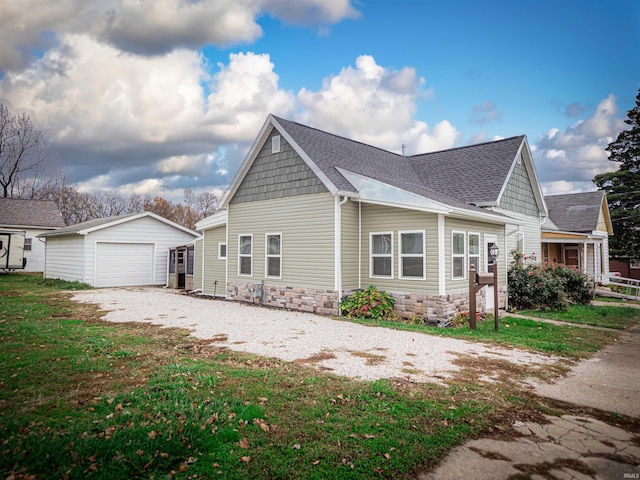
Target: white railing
<point>629,288</point>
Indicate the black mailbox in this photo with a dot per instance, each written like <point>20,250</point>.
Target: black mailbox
<point>484,278</point>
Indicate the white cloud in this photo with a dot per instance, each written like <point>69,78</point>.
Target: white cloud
<point>375,105</point>
<point>244,92</point>
<point>311,12</point>
<point>571,158</point>
<point>150,27</point>
<point>111,112</point>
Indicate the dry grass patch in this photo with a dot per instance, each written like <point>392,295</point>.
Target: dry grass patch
<point>316,358</point>
<point>371,358</point>
<point>219,337</point>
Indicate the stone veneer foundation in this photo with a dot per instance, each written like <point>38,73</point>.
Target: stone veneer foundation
<point>434,309</point>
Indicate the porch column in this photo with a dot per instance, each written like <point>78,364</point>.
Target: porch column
<point>584,257</point>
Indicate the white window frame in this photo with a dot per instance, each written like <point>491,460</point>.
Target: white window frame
<point>412,255</point>
<point>379,255</point>
<point>462,255</point>
<point>28,244</point>
<point>226,250</point>
<point>275,144</point>
<point>242,255</point>
<point>267,255</point>
<point>474,255</point>
<point>634,263</point>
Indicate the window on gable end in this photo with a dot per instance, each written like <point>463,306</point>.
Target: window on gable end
<point>275,144</point>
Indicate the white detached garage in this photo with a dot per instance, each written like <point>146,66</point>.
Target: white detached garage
<point>123,251</point>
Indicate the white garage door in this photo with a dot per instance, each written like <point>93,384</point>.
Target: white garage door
<point>124,264</point>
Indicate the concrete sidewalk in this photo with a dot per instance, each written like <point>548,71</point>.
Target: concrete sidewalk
<point>568,447</point>
<point>609,381</point>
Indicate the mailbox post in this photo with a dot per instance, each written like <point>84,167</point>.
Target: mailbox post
<point>476,282</point>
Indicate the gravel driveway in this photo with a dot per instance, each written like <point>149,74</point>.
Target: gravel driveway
<point>344,348</point>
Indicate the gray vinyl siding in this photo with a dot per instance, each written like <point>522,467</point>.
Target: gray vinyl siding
<point>214,268</point>
<point>349,227</point>
<point>377,218</point>
<point>65,258</point>
<point>518,195</point>
<point>306,223</point>
<point>532,235</point>
<point>197,265</point>
<point>466,226</point>
<point>277,175</point>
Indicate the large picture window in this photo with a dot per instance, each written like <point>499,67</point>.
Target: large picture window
<point>412,257</point>
<point>381,248</point>
<point>458,254</point>
<point>474,250</point>
<point>245,254</point>
<point>273,266</point>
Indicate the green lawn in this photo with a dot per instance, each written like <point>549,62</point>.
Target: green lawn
<point>610,316</point>
<point>572,342</point>
<point>82,398</point>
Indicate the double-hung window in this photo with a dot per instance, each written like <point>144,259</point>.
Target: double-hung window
<point>458,254</point>
<point>245,254</point>
<point>474,250</point>
<point>412,255</point>
<point>381,248</point>
<point>273,267</point>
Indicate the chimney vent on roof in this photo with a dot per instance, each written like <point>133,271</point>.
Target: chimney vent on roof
<point>404,146</point>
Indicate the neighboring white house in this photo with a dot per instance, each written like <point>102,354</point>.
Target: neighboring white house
<point>122,251</point>
<point>33,217</point>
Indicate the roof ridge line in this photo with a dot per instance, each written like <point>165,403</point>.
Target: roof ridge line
<point>467,146</point>
<point>338,136</point>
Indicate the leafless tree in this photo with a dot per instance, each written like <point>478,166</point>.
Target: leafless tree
<point>24,154</point>
<point>204,204</point>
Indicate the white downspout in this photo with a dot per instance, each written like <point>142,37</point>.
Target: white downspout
<point>202,273</point>
<point>442,289</point>
<point>359,245</point>
<point>338,244</point>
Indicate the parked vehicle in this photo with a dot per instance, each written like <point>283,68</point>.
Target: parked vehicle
<point>12,250</point>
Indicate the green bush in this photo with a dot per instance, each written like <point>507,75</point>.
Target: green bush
<point>368,303</point>
<point>546,286</point>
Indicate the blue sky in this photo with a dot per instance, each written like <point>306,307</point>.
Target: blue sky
<point>173,93</point>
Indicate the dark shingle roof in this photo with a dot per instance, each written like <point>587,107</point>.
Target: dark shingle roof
<point>18,212</point>
<point>575,212</point>
<point>473,174</point>
<point>457,177</point>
